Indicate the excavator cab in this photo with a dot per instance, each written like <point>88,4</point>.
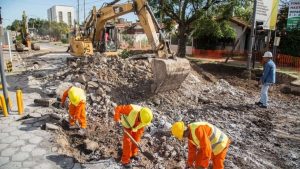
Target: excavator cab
<point>108,41</point>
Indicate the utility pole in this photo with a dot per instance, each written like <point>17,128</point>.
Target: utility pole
<point>3,78</point>
<point>84,10</point>
<point>78,13</point>
<point>252,37</point>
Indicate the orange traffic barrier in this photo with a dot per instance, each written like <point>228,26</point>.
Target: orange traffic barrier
<point>4,108</point>
<point>20,104</point>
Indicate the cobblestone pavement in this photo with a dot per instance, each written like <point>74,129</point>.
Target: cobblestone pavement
<point>24,145</point>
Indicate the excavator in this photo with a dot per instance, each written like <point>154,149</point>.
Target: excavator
<point>168,70</point>
<point>25,42</point>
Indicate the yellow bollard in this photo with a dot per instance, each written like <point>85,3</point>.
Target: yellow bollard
<point>9,103</point>
<point>4,108</point>
<point>20,101</point>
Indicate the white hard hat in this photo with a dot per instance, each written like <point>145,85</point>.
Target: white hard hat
<point>267,55</point>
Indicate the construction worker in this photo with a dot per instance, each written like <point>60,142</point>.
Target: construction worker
<point>133,119</point>
<point>77,100</point>
<point>268,78</point>
<point>205,142</point>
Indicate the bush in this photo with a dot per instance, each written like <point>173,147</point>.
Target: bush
<point>64,41</point>
<point>125,54</point>
<point>290,44</point>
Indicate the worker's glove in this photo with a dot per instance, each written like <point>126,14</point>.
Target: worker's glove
<point>118,125</point>
<point>67,102</point>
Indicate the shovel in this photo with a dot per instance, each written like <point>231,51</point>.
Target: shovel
<point>148,155</point>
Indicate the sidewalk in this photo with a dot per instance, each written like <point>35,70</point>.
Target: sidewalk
<point>23,143</point>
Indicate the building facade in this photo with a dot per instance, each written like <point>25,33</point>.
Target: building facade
<point>62,13</point>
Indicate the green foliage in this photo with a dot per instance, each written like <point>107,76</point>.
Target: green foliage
<point>290,44</point>
<point>65,41</point>
<point>58,29</point>
<point>128,39</point>
<point>15,26</point>
<point>290,41</point>
<point>43,27</point>
<point>243,10</point>
<point>210,31</point>
<point>125,54</point>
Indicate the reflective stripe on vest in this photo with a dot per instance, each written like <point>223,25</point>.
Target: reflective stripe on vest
<point>131,118</point>
<point>217,138</point>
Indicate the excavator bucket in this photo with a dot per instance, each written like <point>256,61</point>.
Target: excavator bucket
<point>168,74</point>
<point>80,48</point>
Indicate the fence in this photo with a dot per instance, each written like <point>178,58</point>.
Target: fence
<point>281,60</point>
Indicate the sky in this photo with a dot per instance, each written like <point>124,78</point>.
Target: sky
<point>13,9</point>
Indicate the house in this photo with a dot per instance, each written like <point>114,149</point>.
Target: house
<point>238,25</point>
<point>62,13</point>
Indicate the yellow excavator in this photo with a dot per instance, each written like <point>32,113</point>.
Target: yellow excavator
<point>168,71</point>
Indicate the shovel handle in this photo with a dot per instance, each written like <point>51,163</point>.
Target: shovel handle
<point>132,139</point>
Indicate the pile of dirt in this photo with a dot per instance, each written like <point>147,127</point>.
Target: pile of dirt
<point>253,131</point>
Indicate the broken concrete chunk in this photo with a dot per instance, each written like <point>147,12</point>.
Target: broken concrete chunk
<point>93,85</point>
<point>90,145</point>
<point>55,116</point>
<point>44,102</point>
<point>156,101</point>
<point>50,126</point>
<point>80,79</point>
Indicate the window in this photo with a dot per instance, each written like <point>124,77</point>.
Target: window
<point>60,16</point>
<point>69,18</point>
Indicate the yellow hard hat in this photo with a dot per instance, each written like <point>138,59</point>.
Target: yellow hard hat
<point>73,96</point>
<point>146,115</point>
<point>178,129</point>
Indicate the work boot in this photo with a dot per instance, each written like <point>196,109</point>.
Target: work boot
<point>136,158</point>
<point>258,103</point>
<point>128,165</point>
<point>263,106</point>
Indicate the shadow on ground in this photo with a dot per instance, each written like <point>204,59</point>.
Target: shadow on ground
<point>62,161</point>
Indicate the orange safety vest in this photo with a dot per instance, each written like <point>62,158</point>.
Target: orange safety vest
<point>131,118</point>
<point>217,138</point>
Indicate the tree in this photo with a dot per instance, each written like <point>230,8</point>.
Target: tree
<point>58,29</point>
<point>209,32</point>
<point>290,40</point>
<point>186,12</point>
<point>15,25</point>
<point>243,10</point>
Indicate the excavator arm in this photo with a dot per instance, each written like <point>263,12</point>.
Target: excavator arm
<point>168,73</point>
<point>97,20</point>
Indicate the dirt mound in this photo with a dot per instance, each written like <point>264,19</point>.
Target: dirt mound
<point>112,81</point>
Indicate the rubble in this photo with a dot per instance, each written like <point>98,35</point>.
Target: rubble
<point>228,104</point>
<point>90,145</point>
<point>50,126</point>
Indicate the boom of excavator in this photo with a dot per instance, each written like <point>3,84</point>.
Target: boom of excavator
<point>169,71</point>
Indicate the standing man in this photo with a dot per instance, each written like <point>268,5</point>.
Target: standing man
<point>133,119</point>
<point>205,142</point>
<point>77,99</point>
<point>267,79</point>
